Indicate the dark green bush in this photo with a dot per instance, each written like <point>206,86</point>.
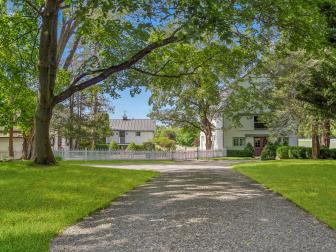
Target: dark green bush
<point>269,152</point>
<point>237,153</point>
<point>308,152</point>
<point>149,146</point>
<point>135,147</point>
<point>282,152</point>
<point>249,150</point>
<point>333,153</point>
<point>326,153</point>
<point>298,152</point>
<point>58,158</point>
<point>102,147</point>
<point>293,153</point>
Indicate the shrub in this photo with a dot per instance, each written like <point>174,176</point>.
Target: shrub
<point>237,153</point>
<point>333,153</point>
<point>269,152</point>
<point>140,147</point>
<point>326,153</point>
<point>282,152</point>
<point>165,143</point>
<point>249,150</point>
<point>102,146</point>
<point>149,146</point>
<point>58,158</point>
<point>113,146</point>
<point>308,152</point>
<point>293,152</point>
<point>135,147</point>
<point>297,152</point>
<point>132,147</point>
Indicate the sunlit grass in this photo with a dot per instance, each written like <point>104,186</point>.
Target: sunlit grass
<point>39,202</point>
<point>310,184</point>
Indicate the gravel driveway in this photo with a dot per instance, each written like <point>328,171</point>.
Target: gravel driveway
<point>198,206</point>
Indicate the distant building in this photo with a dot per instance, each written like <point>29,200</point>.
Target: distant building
<point>125,131</point>
<point>17,143</point>
<point>228,136</point>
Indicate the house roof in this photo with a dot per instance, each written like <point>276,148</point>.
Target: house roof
<point>132,124</point>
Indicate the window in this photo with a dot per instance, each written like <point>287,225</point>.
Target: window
<point>112,133</point>
<point>137,133</point>
<point>238,141</point>
<point>258,124</point>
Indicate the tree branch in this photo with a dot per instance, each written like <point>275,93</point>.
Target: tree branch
<point>81,76</point>
<point>161,75</point>
<point>115,68</point>
<point>33,6</point>
<point>71,54</point>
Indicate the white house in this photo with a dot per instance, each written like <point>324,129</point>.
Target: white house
<point>252,130</point>
<point>17,143</point>
<point>125,131</point>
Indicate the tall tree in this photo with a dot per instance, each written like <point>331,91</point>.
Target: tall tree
<point>17,71</point>
<point>127,31</point>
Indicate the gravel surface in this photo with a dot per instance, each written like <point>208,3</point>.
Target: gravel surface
<point>207,208</point>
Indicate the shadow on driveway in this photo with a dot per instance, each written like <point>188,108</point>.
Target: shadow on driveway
<point>209,209</point>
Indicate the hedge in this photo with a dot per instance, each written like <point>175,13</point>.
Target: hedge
<point>237,153</point>
<point>326,153</point>
<point>269,152</point>
<point>282,152</point>
<point>102,147</point>
<point>300,152</point>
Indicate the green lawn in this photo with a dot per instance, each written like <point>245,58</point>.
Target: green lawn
<point>39,202</point>
<point>310,184</point>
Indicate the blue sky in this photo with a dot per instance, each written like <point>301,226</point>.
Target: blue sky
<point>135,107</point>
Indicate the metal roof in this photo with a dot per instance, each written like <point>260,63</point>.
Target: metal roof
<point>133,124</point>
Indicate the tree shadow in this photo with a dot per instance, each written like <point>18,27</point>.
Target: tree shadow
<point>207,210</point>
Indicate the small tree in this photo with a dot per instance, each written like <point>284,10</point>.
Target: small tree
<point>132,147</point>
<point>113,146</point>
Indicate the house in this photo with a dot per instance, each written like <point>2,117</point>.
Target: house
<point>252,130</point>
<point>125,131</point>
<point>17,143</point>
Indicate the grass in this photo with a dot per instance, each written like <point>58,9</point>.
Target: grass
<point>38,202</point>
<point>308,183</point>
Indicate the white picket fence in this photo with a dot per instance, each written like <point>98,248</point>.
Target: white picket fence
<point>5,156</point>
<point>138,155</point>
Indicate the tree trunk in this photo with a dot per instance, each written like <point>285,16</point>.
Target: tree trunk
<point>94,114</point>
<point>11,143</point>
<point>71,122</point>
<point>208,140</point>
<point>315,140</point>
<point>325,135</point>
<point>47,78</point>
<point>28,145</point>
<point>43,151</point>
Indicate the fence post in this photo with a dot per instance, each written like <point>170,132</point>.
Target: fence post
<point>196,153</point>
<point>86,154</point>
